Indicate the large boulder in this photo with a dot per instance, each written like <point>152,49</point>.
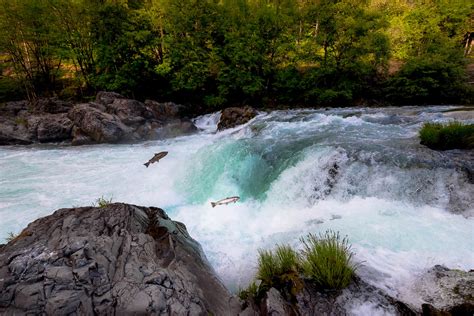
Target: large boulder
<point>175,128</point>
<point>99,126</point>
<point>117,259</point>
<point>164,110</point>
<point>131,112</point>
<point>50,105</point>
<point>14,131</point>
<point>231,117</point>
<point>50,127</point>
<point>105,97</point>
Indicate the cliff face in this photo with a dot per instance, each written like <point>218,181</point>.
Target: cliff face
<point>118,259</point>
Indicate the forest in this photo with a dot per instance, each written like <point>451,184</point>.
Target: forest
<point>215,53</point>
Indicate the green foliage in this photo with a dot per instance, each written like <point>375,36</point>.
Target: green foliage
<point>102,202</point>
<point>251,293</point>
<point>279,269</point>
<point>453,135</point>
<point>327,260</point>
<point>216,53</point>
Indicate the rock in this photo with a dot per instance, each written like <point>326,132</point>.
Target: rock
<point>14,131</point>
<point>131,112</point>
<point>78,138</point>
<point>50,127</point>
<point>51,105</point>
<point>445,289</point>
<point>175,128</point>
<point>99,126</point>
<point>164,111</point>
<point>465,309</point>
<point>234,116</point>
<point>118,259</point>
<point>275,305</point>
<point>13,108</point>
<point>105,98</point>
<point>358,298</point>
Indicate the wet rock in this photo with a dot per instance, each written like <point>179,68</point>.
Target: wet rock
<point>465,309</point>
<point>99,126</point>
<point>176,128</point>
<point>105,97</point>
<point>231,117</point>
<point>118,259</point>
<point>444,288</point>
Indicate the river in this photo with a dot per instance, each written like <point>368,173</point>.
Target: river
<point>359,171</point>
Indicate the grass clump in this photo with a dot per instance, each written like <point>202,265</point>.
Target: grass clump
<point>276,268</point>
<point>102,202</point>
<point>454,135</point>
<point>327,260</point>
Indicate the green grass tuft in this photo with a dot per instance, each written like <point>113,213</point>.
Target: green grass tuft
<point>454,135</point>
<point>102,202</point>
<point>279,269</point>
<point>327,260</point>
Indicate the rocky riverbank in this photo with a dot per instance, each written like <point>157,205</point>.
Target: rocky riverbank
<point>127,259</point>
<point>111,118</point>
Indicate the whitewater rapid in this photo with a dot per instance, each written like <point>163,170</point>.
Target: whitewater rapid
<point>361,172</point>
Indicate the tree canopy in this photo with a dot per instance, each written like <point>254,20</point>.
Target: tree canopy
<point>220,52</point>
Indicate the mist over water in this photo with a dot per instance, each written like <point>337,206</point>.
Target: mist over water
<point>361,172</point>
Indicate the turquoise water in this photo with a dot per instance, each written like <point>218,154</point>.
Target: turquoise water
<point>404,208</point>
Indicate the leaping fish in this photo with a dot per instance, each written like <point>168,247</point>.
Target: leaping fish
<point>156,158</point>
<point>226,201</point>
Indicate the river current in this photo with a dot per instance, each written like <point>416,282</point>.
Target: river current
<point>361,172</point>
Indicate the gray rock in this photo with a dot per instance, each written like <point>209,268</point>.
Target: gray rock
<point>231,117</point>
<point>164,111</point>
<point>99,126</point>
<point>14,131</point>
<point>50,105</point>
<point>275,305</point>
<point>131,112</point>
<point>50,127</point>
<point>119,259</point>
<point>175,128</point>
<point>105,97</point>
<point>445,288</point>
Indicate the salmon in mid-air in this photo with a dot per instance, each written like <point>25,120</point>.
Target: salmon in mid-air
<point>226,201</point>
<point>156,158</point>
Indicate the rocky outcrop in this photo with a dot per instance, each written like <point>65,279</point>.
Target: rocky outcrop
<point>111,118</point>
<point>231,117</point>
<point>313,301</point>
<point>446,291</point>
<point>98,126</point>
<point>119,259</point>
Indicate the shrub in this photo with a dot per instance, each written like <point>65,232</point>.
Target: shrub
<point>327,260</point>
<point>454,135</point>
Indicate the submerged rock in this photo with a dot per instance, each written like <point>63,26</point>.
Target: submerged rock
<point>231,117</point>
<point>118,259</point>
